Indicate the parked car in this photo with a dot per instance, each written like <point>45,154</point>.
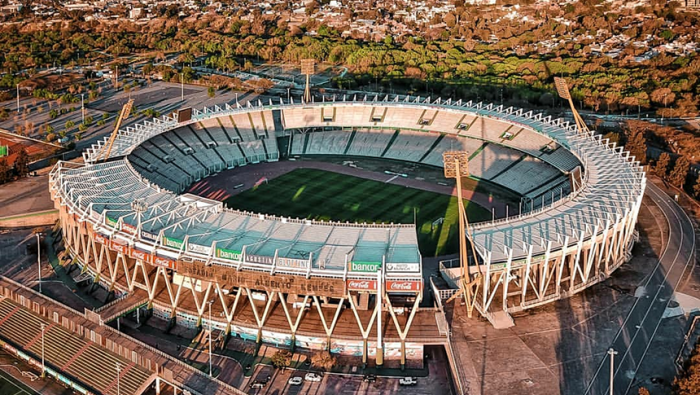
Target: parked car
<point>312,377</point>
<point>408,381</point>
<point>369,378</point>
<point>295,380</point>
<point>258,384</point>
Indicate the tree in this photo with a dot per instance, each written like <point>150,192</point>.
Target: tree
<point>696,188</point>
<point>323,360</point>
<point>661,166</point>
<point>281,359</point>
<point>4,171</point>
<point>679,172</point>
<point>22,163</point>
<point>636,142</point>
<point>643,391</point>
<point>211,91</point>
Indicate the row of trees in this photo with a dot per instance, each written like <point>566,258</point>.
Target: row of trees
<point>636,137</point>
<point>512,70</point>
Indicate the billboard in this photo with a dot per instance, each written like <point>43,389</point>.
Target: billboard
<point>403,267</point>
<point>231,255</point>
<point>366,267</point>
<point>362,285</point>
<point>164,262</point>
<point>131,229</point>
<point>200,249</point>
<point>184,115</point>
<point>4,150</point>
<point>403,285</point>
<point>292,263</point>
<point>172,242</point>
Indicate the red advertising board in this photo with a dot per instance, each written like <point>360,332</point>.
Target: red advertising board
<point>403,286</point>
<point>131,229</point>
<point>164,262</point>
<point>362,285</point>
<point>100,239</point>
<point>141,255</point>
<point>123,248</point>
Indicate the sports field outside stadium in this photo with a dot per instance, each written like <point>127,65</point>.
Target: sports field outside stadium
<point>322,195</point>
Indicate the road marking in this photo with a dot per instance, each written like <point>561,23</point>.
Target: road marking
<point>656,267</point>
<point>690,257</point>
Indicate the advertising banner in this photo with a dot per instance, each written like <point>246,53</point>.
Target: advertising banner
<point>403,267</point>
<point>266,260</point>
<point>163,262</point>
<point>118,247</point>
<point>362,285</point>
<point>141,255</point>
<point>367,267</point>
<point>110,221</point>
<point>130,229</point>
<point>403,286</point>
<point>231,255</point>
<point>199,249</point>
<point>172,242</point>
<point>149,236</point>
<point>292,263</point>
<point>101,239</point>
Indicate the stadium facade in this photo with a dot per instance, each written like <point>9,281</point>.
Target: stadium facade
<point>328,285</point>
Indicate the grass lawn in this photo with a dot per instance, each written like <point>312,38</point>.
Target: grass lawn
<point>322,195</point>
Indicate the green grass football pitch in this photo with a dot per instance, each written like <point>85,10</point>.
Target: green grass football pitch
<point>322,195</point>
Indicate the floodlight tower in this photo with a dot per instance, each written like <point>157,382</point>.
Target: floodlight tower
<point>563,91</point>
<point>307,68</point>
<point>456,165</point>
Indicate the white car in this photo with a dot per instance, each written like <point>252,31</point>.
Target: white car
<point>295,380</point>
<point>312,377</point>
<point>408,381</point>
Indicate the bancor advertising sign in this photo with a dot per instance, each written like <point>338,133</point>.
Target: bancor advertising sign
<point>367,267</point>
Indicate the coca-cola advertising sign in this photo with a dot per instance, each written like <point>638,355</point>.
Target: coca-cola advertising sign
<point>403,286</point>
<point>362,285</point>
<point>100,239</point>
<point>164,262</point>
<point>142,255</point>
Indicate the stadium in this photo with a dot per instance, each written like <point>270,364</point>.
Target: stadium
<point>353,288</point>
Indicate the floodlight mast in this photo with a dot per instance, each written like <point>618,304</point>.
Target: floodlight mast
<point>456,165</point>
<point>564,93</point>
<point>126,110</point>
<point>307,68</point>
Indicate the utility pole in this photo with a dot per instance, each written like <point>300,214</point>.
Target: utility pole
<point>182,87</point>
<point>612,354</point>
<point>82,106</point>
<point>38,257</point>
<point>18,98</point>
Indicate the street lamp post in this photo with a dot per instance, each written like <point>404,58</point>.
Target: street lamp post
<point>612,354</point>
<point>210,329</point>
<point>38,257</point>
<point>43,365</point>
<point>82,106</point>
<point>17,98</point>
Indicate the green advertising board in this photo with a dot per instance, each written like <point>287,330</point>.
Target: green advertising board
<point>359,266</point>
<point>3,151</point>
<point>173,243</point>
<point>111,221</point>
<point>231,255</point>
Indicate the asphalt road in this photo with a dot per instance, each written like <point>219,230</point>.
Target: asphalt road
<point>639,327</point>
